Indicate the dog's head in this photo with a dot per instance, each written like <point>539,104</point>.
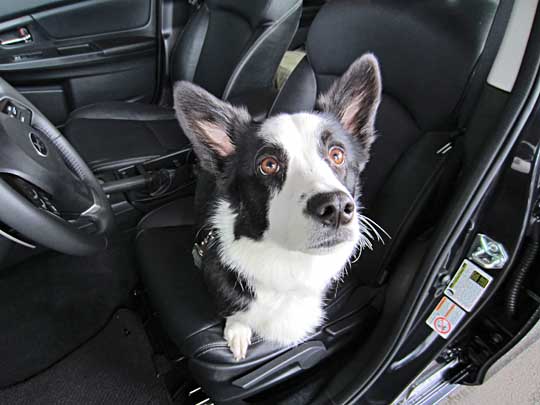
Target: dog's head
<point>291,180</point>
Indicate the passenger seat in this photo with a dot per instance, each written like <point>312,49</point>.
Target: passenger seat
<point>231,48</point>
<point>428,53</point>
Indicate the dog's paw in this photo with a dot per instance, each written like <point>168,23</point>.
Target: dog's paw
<point>238,337</point>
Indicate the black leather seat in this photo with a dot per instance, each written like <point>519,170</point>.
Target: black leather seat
<point>231,48</point>
<point>427,52</point>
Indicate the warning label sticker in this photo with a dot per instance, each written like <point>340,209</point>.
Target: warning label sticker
<point>468,285</point>
<point>445,317</point>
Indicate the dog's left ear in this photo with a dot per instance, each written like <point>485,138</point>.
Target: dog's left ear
<point>355,97</point>
<point>210,124</point>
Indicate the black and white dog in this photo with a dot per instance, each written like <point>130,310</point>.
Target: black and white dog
<point>285,215</point>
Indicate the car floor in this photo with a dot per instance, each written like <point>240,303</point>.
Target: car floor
<point>52,304</point>
<point>514,379</point>
<point>114,367</point>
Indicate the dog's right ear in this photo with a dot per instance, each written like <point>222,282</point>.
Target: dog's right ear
<point>209,123</point>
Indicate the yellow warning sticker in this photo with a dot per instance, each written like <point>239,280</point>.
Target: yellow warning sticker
<point>468,285</point>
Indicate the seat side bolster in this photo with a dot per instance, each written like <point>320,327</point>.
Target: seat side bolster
<point>406,211</point>
<point>188,48</point>
<point>259,62</point>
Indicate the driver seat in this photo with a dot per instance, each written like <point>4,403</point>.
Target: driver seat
<point>427,53</point>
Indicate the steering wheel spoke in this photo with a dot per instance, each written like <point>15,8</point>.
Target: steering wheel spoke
<point>39,198</point>
<point>78,208</point>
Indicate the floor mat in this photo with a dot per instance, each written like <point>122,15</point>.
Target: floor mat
<point>53,303</point>
<point>114,367</point>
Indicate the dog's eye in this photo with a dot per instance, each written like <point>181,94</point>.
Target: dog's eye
<point>269,166</point>
<point>337,155</point>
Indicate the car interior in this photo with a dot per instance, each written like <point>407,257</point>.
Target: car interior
<point>101,301</point>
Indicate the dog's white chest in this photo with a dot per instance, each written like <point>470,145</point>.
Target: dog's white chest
<point>285,317</point>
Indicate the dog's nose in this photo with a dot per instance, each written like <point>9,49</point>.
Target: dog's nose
<point>333,209</point>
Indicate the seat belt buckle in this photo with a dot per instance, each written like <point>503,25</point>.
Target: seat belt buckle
<point>197,255</point>
<point>200,248</point>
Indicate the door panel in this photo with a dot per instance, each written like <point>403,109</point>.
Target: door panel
<point>93,18</point>
<point>81,53</point>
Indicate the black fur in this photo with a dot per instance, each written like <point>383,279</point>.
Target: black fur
<point>249,191</point>
<point>228,288</point>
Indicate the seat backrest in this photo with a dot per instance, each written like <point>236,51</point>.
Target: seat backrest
<point>427,51</point>
<point>230,47</point>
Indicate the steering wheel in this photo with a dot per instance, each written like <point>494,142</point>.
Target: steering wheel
<point>48,194</point>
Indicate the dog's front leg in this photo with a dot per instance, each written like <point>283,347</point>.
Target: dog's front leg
<point>238,336</point>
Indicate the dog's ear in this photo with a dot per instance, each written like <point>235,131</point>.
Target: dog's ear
<point>209,123</point>
<point>355,97</point>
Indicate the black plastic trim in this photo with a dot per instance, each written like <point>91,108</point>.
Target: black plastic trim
<point>143,46</point>
<point>302,357</point>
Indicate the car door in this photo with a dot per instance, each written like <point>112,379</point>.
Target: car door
<point>63,55</point>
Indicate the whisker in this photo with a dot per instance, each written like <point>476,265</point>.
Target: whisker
<point>356,257</point>
<point>370,226</point>
<point>376,224</point>
<point>367,231</point>
<point>366,242</point>
<point>239,283</point>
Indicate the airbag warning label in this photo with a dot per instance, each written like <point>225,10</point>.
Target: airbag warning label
<point>445,317</point>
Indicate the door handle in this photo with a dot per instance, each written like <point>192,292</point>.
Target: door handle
<point>20,36</point>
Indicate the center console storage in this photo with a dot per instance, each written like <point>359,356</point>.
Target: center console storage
<point>137,189</point>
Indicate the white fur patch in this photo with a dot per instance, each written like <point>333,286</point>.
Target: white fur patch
<point>288,285</point>
<point>307,174</point>
<point>238,336</point>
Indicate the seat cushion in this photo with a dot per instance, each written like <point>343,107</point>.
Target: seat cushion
<point>178,293</point>
<point>115,134</point>
<point>174,213</point>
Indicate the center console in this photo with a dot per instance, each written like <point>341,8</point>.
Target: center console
<point>136,189</point>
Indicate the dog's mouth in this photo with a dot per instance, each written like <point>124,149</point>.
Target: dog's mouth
<point>327,242</point>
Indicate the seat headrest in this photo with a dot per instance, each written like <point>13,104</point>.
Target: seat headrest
<point>427,49</point>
